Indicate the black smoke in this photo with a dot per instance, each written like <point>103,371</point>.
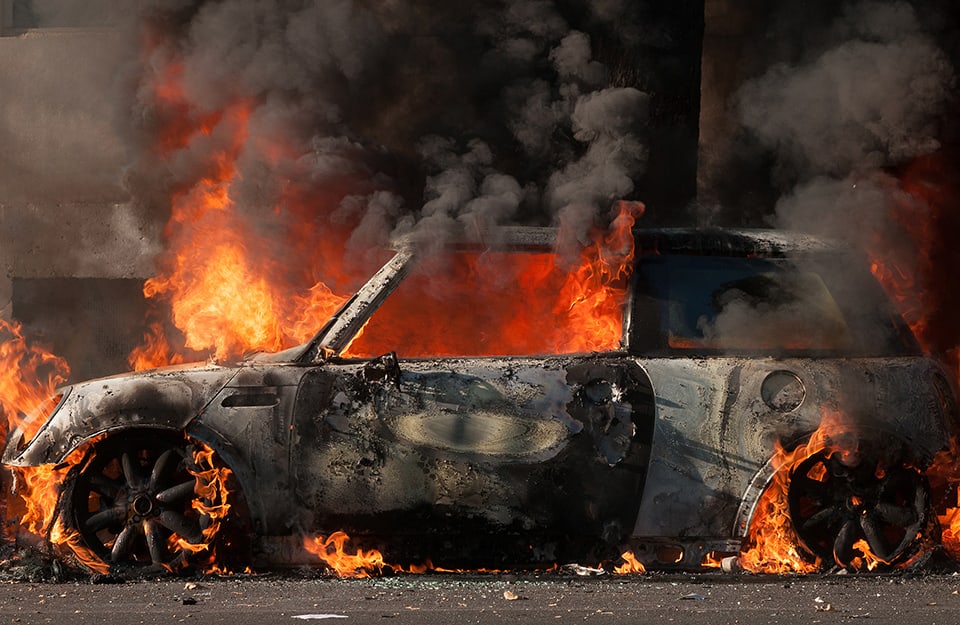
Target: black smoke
<point>424,116</point>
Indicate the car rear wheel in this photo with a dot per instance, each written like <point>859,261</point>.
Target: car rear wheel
<point>148,501</point>
<point>840,511</point>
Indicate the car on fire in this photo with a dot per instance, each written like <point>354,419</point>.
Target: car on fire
<point>731,348</point>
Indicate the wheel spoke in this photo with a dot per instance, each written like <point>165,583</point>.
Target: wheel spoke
<point>124,543</point>
<point>176,493</point>
<point>901,516</point>
<point>155,542</point>
<point>874,536</point>
<point>105,486</point>
<point>105,518</point>
<point>828,517</point>
<point>843,545</point>
<point>179,524</point>
<point>167,461</point>
<point>130,470</point>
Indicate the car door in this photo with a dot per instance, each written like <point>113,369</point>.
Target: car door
<point>547,455</point>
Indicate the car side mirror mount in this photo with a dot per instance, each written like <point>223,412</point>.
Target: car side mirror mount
<point>385,369</point>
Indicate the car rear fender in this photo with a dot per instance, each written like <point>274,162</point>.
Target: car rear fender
<point>718,422</point>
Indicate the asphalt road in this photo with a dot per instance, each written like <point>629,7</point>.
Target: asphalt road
<point>490,599</point>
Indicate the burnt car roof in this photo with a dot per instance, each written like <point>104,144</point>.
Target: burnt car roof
<point>706,241</point>
<point>730,242</point>
<point>509,237</point>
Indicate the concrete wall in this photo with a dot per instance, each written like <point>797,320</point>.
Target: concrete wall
<point>63,210</point>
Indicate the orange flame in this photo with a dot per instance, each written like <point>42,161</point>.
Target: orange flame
<point>630,564</point>
<point>457,304</point>
<point>37,490</point>
<point>71,539</point>
<point>944,476</point>
<point>34,498</point>
<point>915,278</point>
<point>213,495</point>
<point>332,552</point>
<point>29,373</point>
<point>227,292</point>
<point>155,350</point>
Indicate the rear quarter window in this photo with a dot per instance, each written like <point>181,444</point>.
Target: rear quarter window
<point>706,304</point>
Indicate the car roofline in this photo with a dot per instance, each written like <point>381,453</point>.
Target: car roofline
<point>710,240</point>
<point>507,237</point>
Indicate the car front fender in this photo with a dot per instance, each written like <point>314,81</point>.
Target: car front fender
<point>162,399</point>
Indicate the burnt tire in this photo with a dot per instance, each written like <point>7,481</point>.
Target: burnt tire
<point>141,502</point>
<point>837,510</point>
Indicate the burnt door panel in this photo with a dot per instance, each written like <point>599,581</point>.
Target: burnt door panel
<point>510,460</point>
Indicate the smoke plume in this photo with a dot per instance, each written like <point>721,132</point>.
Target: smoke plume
<point>391,117</point>
<point>849,124</point>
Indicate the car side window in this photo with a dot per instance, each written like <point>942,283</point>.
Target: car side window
<point>468,303</point>
<point>712,304</point>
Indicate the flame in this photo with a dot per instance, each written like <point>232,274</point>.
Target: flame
<point>866,559</point>
<point>630,564</point>
<point>332,552</point>
<point>33,502</point>
<point>914,278</point>
<point>593,295</point>
<point>227,291</point>
<point>155,351</point>
<point>714,559</point>
<point>71,539</point>
<point>944,477</point>
<point>772,544</point>
<point>230,293</point>
<point>29,375</point>
<point>490,303</point>
<point>903,271</point>
<point>213,503</point>
<point>37,490</point>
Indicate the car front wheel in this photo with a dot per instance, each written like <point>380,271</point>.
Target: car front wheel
<point>147,501</point>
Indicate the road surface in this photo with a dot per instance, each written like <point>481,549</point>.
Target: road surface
<point>712,598</point>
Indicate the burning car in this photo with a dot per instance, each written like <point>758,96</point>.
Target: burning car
<point>734,376</point>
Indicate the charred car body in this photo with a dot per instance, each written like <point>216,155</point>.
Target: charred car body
<point>732,343</point>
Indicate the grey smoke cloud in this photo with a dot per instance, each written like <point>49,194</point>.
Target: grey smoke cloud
<point>869,97</point>
<point>852,121</point>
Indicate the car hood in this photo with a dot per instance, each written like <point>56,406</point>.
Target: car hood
<point>167,398</point>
